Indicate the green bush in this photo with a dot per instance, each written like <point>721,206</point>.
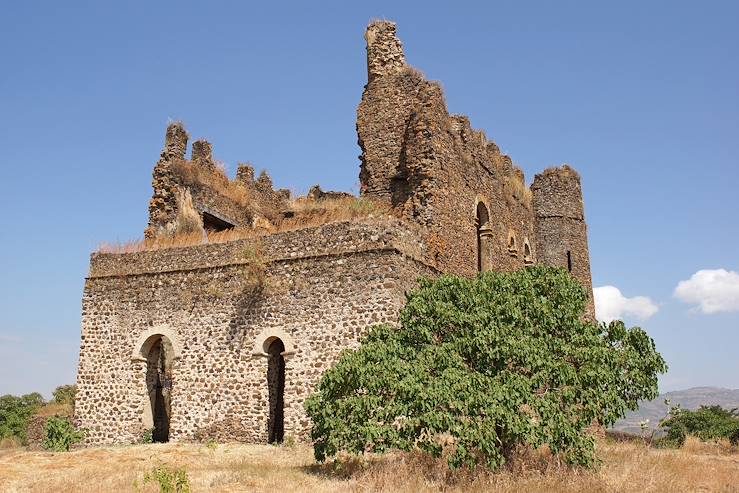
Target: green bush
<point>708,423</point>
<point>64,394</point>
<point>148,436</point>
<point>170,480</point>
<point>479,366</point>
<point>15,413</point>
<point>60,434</point>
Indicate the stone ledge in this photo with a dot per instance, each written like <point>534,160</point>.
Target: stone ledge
<point>333,239</point>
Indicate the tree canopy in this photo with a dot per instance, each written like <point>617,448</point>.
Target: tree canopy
<point>479,366</point>
<point>15,412</point>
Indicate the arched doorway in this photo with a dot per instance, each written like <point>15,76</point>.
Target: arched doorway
<point>276,386</point>
<point>159,386</point>
<point>484,234</point>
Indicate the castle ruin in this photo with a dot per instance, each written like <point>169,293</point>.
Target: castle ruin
<point>224,340</point>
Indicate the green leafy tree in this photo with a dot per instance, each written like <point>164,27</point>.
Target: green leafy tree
<point>707,423</point>
<point>481,365</point>
<point>15,412</point>
<point>64,394</point>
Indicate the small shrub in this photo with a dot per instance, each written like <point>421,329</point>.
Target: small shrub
<point>289,441</point>
<point>362,207</point>
<point>211,444</point>
<point>254,270</point>
<point>708,423</point>
<point>148,436</point>
<point>60,434</point>
<point>169,479</point>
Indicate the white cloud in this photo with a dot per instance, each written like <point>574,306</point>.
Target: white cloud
<point>610,305</point>
<point>713,290</point>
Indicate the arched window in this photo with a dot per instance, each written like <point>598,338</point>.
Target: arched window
<point>512,244</point>
<point>527,258</point>
<point>159,386</point>
<point>484,232</point>
<point>276,386</point>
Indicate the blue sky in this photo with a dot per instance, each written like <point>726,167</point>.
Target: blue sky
<point>641,97</point>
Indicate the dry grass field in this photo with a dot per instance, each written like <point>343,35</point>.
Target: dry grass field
<point>626,467</point>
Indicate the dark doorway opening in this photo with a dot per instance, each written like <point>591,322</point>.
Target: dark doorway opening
<point>214,224</point>
<point>159,385</point>
<point>276,386</point>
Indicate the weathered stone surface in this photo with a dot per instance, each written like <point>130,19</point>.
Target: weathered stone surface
<point>323,303</point>
<point>183,335</point>
<point>438,171</point>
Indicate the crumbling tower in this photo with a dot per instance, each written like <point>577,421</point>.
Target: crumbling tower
<point>560,225</point>
<point>383,115</point>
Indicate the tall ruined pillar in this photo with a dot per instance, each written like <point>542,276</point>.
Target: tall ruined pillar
<point>560,225</point>
<point>383,114</point>
<point>384,50</point>
<point>163,204</point>
<point>175,142</point>
<point>202,154</point>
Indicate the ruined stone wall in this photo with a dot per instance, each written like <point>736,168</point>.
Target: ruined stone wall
<point>562,233</point>
<point>238,202</point>
<point>219,306</point>
<point>321,290</point>
<point>435,169</point>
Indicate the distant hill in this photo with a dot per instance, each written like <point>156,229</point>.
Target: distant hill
<point>691,399</point>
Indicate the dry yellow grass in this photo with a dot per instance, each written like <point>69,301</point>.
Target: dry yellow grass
<point>54,409</point>
<point>626,467</point>
<point>216,179</point>
<point>307,214</point>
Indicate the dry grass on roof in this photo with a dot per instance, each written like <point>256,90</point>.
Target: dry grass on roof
<point>564,170</point>
<point>216,179</point>
<point>306,214</point>
<point>520,191</point>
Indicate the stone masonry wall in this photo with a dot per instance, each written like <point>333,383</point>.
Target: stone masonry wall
<point>434,168</point>
<point>560,223</point>
<point>318,301</point>
<point>217,307</point>
<point>238,202</point>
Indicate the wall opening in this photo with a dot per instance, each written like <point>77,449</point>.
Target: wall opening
<point>159,386</point>
<point>527,258</point>
<point>276,386</point>
<point>483,238</point>
<point>569,261</point>
<point>214,224</point>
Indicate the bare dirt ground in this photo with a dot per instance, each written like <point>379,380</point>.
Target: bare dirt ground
<point>625,467</point>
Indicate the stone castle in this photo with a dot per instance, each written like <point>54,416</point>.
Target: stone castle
<point>224,340</point>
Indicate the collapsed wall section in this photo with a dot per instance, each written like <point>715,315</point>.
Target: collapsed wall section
<point>220,202</point>
<point>434,169</point>
<point>220,305</point>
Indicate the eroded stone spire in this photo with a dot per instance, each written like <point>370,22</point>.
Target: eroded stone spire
<point>384,50</point>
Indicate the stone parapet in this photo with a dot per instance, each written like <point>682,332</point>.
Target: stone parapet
<point>330,239</point>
